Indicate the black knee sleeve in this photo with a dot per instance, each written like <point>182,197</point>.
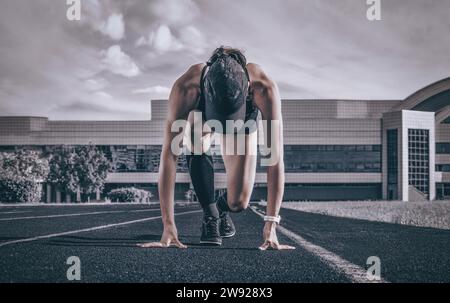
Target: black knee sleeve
<point>201,170</point>
<point>222,203</point>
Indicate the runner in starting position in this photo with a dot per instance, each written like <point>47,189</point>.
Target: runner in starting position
<point>223,90</point>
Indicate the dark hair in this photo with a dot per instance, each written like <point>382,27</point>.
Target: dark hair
<point>225,85</point>
<point>235,53</point>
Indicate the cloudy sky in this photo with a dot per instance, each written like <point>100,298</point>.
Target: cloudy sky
<point>121,53</point>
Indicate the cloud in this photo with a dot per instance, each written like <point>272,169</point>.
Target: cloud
<point>84,110</point>
<point>141,41</point>
<point>102,96</point>
<point>175,12</point>
<point>95,84</point>
<point>161,40</point>
<point>117,62</point>
<point>92,9</point>
<point>81,106</point>
<point>114,27</point>
<point>154,91</point>
<point>193,39</point>
<point>317,49</point>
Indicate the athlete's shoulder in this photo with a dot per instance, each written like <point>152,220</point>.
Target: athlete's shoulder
<point>185,91</point>
<point>191,76</point>
<point>196,68</point>
<point>259,78</point>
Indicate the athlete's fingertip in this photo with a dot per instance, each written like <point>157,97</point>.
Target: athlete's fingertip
<point>287,247</point>
<point>264,247</point>
<point>146,245</point>
<point>178,244</point>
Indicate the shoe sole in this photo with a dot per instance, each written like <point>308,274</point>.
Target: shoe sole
<point>228,236</point>
<point>210,242</point>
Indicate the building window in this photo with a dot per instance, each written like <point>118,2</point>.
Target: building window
<point>442,148</point>
<point>331,158</point>
<point>443,168</point>
<point>392,163</point>
<point>133,158</point>
<point>6,148</point>
<point>418,159</point>
<point>442,191</point>
<point>139,158</point>
<point>297,158</point>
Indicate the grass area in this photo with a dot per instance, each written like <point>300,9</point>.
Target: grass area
<point>426,214</point>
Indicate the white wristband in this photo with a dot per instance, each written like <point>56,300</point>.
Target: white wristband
<point>272,219</point>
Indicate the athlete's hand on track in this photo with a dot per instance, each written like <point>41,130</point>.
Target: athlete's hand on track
<point>169,238</point>
<point>271,239</point>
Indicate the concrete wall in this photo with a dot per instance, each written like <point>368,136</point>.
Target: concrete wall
<point>402,121</point>
<point>305,122</point>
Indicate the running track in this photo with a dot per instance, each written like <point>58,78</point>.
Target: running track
<point>35,242</point>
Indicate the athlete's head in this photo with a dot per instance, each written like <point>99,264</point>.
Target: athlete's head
<point>226,85</point>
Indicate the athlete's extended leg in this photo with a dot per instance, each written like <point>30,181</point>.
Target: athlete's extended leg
<point>201,170</point>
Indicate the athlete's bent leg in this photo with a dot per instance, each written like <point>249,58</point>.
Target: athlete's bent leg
<point>241,170</point>
<point>226,204</point>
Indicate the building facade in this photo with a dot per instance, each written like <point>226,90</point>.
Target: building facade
<point>334,149</point>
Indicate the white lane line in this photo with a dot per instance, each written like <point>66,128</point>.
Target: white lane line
<point>75,205</point>
<point>354,272</point>
<point>78,214</point>
<point>91,229</point>
<point>15,212</point>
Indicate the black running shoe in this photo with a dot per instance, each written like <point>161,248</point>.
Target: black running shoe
<point>227,229</point>
<point>210,231</point>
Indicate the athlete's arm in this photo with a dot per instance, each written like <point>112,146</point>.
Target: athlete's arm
<point>267,99</point>
<point>182,100</point>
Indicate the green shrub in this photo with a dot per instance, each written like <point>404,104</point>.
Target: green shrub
<point>21,173</point>
<point>20,191</point>
<point>129,194</point>
<point>78,169</point>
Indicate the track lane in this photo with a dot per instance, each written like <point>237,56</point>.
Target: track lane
<point>111,255</point>
<point>51,209</point>
<point>22,229</point>
<point>407,253</point>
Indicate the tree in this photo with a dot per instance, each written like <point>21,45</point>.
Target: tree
<point>80,169</point>
<point>61,175</point>
<point>23,164</point>
<point>21,173</point>
<point>190,195</point>
<point>129,194</point>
